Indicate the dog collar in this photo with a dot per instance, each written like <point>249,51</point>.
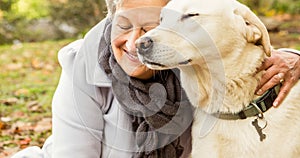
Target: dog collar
<point>255,108</point>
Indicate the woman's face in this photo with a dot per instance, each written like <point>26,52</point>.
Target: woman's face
<point>132,19</point>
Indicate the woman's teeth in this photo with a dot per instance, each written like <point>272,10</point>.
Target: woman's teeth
<point>132,56</point>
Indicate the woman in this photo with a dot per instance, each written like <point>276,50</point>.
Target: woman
<point>108,104</point>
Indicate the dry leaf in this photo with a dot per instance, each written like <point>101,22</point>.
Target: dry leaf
<point>22,92</point>
<point>17,130</point>
<point>2,125</point>
<point>34,106</point>
<point>5,119</point>
<point>43,125</point>
<point>24,142</point>
<point>19,127</point>
<point>8,152</point>
<point>36,64</point>
<point>9,101</point>
<point>49,67</point>
<point>14,66</point>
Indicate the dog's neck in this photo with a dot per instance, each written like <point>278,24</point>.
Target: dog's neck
<point>228,89</point>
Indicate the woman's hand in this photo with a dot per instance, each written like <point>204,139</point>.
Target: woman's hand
<point>281,67</point>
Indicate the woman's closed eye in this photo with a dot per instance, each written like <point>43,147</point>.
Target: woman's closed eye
<point>124,26</point>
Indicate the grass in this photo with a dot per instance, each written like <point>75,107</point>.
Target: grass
<point>29,74</point>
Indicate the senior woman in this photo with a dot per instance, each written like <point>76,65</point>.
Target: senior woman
<point>107,104</point>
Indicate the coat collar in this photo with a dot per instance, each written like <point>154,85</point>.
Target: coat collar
<point>94,74</point>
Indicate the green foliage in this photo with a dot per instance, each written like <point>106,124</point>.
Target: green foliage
<point>6,4</point>
<point>30,9</point>
<point>81,14</point>
<point>16,15</point>
<point>19,19</point>
<point>271,7</point>
<point>23,9</point>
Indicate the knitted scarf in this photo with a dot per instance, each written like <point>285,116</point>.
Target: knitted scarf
<point>158,107</point>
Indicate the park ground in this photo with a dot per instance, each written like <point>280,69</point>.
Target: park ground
<point>29,73</point>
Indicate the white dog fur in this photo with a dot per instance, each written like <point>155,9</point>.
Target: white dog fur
<point>218,46</point>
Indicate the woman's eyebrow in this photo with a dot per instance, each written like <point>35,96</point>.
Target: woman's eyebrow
<point>121,17</point>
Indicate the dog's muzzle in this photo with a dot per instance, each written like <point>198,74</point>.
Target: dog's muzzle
<point>144,45</point>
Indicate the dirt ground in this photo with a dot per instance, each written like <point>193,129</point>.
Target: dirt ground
<point>286,34</point>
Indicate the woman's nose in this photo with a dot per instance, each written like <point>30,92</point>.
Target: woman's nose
<point>134,35</point>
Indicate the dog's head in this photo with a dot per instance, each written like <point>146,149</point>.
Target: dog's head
<point>194,30</point>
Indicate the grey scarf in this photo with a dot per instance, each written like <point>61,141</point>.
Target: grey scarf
<point>158,107</point>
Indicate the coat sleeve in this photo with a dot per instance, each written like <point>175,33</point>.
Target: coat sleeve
<point>76,111</point>
<point>290,50</point>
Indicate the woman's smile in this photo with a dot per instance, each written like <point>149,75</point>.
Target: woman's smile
<point>131,56</point>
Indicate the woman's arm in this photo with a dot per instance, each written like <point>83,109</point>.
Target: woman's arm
<point>283,66</point>
<point>77,116</point>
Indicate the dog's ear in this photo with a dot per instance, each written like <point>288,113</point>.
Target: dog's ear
<point>256,32</point>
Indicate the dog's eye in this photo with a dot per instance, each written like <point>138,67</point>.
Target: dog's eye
<point>148,28</point>
<point>185,16</point>
<point>160,19</point>
<point>143,29</point>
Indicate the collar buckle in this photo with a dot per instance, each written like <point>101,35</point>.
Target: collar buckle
<point>260,114</point>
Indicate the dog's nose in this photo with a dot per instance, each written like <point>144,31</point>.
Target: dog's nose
<point>144,45</point>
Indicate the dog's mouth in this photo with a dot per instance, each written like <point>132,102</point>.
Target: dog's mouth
<point>156,65</point>
<point>186,62</point>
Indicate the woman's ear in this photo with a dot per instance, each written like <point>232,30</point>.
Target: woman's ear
<point>256,32</point>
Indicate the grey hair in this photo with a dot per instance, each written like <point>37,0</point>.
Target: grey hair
<point>112,4</point>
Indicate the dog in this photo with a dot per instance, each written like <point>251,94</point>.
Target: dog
<point>218,45</point>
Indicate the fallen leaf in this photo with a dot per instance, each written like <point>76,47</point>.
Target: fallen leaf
<point>32,103</point>
<point>34,106</point>
<point>283,33</point>
<point>8,152</point>
<point>9,101</point>
<point>24,142</point>
<point>2,125</point>
<point>27,54</point>
<point>37,64</point>
<point>17,114</point>
<point>20,127</point>
<point>21,92</point>
<point>49,67</point>
<point>14,66</point>
<point>43,125</point>
<point>283,17</point>
<point>5,119</point>
<point>17,130</point>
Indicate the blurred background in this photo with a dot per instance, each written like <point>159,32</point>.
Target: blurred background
<point>32,32</point>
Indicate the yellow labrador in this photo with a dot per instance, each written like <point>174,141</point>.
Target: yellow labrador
<point>218,46</point>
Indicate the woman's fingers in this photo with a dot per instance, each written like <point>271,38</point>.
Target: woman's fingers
<point>274,80</point>
<point>275,69</point>
<point>282,67</point>
<point>287,84</point>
